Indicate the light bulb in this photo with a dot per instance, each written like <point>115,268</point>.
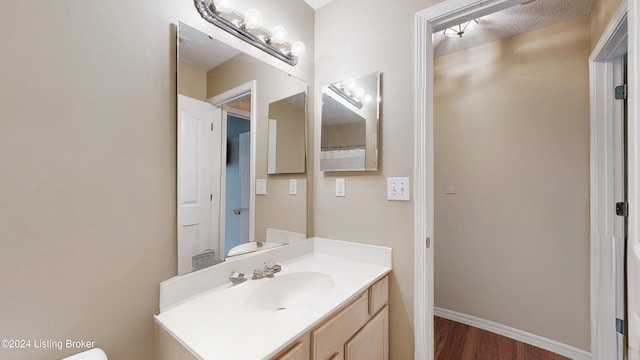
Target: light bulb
<point>359,93</point>
<point>298,49</point>
<point>225,6</point>
<point>278,35</point>
<point>350,87</point>
<point>252,19</point>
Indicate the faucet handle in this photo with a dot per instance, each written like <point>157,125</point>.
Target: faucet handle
<point>237,278</point>
<point>270,270</point>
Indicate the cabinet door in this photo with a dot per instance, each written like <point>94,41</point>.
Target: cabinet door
<point>328,339</point>
<point>372,341</point>
<point>295,353</point>
<point>300,350</point>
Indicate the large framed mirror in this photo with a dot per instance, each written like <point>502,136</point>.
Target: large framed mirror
<point>350,123</point>
<point>225,101</point>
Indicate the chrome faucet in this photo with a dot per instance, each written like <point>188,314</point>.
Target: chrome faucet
<point>267,271</point>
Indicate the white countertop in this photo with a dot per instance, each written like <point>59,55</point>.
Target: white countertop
<point>215,324</point>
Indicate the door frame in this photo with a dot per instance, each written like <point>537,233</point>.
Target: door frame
<point>603,75</point>
<point>434,19</point>
<point>428,21</point>
<point>221,101</point>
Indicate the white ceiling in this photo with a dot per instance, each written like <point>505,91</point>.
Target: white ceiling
<point>317,4</point>
<point>518,19</point>
<point>515,20</point>
<point>198,49</point>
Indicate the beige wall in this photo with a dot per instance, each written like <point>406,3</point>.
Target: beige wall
<point>192,82</point>
<point>87,154</point>
<point>601,14</point>
<point>512,137</point>
<point>379,38</point>
<point>271,85</point>
<point>290,134</point>
<point>343,135</point>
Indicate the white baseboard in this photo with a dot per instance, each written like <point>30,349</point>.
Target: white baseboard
<point>523,336</point>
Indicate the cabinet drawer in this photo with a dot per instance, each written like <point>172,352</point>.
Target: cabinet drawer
<point>328,339</point>
<point>378,295</point>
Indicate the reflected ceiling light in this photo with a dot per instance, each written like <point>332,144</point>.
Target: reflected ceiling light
<point>461,29</point>
<point>248,27</point>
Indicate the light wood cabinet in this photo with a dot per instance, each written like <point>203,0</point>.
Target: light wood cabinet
<point>168,348</point>
<point>354,332</point>
<point>328,339</point>
<point>300,350</point>
<point>372,341</point>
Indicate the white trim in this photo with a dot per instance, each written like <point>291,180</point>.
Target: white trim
<point>519,335</point>
<point>633,238</point>
<point>238,113</point>
<point>221,100</point>
<point>271,146</point>
<point>604,111</point>
<point>423,194</point>
<point>427,21</point>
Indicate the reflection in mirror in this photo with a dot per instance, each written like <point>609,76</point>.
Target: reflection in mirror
<point>223,121</point>
<point>350,121</point>
<point>287,118</point>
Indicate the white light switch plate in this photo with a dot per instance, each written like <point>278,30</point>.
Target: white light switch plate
<point>340,187</point>
<point>398,188</point>
<point>261,186</point>
<point>293,186</point>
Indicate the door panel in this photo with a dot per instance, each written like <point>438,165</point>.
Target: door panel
<point>197,229</point>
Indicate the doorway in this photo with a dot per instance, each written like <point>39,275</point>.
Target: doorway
<point>236,165</point>
<point>437,18</point>
<point>238,150</point>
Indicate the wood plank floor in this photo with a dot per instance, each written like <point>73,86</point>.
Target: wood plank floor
<point>458,341</point>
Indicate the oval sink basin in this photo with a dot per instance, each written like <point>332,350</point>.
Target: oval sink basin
<point>288,290</point>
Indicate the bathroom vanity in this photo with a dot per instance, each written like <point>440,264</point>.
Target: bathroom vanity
<point>330,301</point>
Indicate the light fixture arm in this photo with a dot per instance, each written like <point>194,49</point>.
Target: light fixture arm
<point>210,13</point>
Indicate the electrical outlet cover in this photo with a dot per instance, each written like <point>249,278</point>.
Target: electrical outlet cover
<point>261,186</point>
<point>340,187</point>
<point>293,186</point>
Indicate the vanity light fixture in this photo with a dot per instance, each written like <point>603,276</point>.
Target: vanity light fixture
<point>461,29</point>
<point>249,28</point>
<point>350,93</point>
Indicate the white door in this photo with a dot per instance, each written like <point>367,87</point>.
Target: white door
<point>197,221</point>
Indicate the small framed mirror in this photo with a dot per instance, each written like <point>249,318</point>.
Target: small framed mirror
<point>350,122</point>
